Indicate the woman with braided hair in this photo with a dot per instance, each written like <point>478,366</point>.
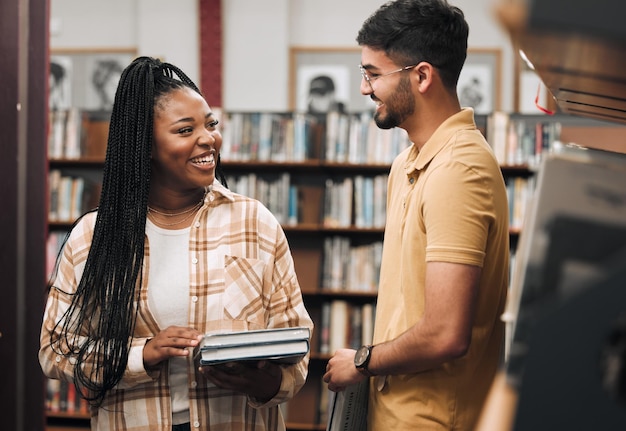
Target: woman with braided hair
<point>169,254</point>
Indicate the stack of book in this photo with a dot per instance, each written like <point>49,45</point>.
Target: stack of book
<point>282,345</point>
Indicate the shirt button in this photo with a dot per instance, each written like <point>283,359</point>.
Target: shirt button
<point>194,260</point>
<point>196,424</point>
<point>197,224</point>
<point>72,360</point>
<point>194,298</point>
<point>411,180</point>
<point>194,384</point>
<point>58,359</point>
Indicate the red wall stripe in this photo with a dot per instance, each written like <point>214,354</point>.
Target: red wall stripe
<point>211,51</point>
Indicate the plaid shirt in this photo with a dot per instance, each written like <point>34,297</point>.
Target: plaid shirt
<point>241,277</point>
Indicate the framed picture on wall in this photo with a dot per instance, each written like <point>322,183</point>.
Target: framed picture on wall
<point>323,79</point>
<point>480,80</point>
<point>86,78</point>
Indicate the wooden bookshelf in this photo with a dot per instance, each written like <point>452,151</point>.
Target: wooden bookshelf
<point>306,238</point>
<point>307,233</point>
<point>306,411</point>
<point>81,170</point>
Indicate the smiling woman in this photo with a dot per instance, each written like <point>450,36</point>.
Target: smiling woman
<point>184,246</point>
<point>184,154</point>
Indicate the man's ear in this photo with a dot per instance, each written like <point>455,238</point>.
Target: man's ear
<point>423,73</point>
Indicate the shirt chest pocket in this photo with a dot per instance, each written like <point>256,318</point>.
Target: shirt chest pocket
<point>244,297</point>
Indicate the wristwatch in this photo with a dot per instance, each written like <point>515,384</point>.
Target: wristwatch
<point>362,359</point>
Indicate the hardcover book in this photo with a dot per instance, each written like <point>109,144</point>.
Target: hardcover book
<point>348,408</point>
<point>284,345</point>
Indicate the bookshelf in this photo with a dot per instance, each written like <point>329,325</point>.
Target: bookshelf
<point>336,243</point>
<point>76,151</point>
<point>324,178</point>
<point>313,235</point>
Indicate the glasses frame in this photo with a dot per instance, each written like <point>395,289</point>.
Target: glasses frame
<point>370,79</point>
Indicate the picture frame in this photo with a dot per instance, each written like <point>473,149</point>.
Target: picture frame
<point>321,69</point>
<point>479,85</point>
<point>86,78</point>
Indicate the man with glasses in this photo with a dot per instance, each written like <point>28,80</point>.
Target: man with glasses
<point>438,335</point>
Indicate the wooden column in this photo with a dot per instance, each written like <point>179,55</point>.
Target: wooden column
<point>23,114</point>
<point>211,51</point>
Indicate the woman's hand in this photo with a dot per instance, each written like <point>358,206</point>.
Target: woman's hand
<point>171,342</point>
<point>258,379</point>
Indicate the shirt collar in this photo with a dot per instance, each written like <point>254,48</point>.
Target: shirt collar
<point>418,159</point>
<point>219,189</point>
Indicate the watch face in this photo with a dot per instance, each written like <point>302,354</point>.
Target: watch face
<point>361,355</point>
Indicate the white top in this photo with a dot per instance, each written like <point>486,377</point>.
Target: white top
<point>168,300</point>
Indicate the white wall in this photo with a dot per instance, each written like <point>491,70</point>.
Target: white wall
<point>257,37</point>
<point>255,49</point>
<point>159,28</point>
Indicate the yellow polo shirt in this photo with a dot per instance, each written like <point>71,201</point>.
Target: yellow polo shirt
<point>445,203</point>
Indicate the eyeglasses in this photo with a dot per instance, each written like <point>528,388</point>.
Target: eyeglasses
<point>371,78</point>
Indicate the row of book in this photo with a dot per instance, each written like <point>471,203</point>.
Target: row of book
<point>357,201</point>
<point>76,133</point>
<point>291,137</point>
<point>276,192</point>
<point>355,138</point>
<point>63,397</point>
<point>350,267</point>
<point>345,324</point>
<point>519,141</point>
<point>70,196</point>
<point>295,136</point>
<point>269,136</point>
<point>519,191</point>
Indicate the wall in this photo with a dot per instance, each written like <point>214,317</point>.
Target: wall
<point>153,27</point>
<point>257,37</point>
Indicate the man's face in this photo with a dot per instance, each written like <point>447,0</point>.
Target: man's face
<point>392,94</point>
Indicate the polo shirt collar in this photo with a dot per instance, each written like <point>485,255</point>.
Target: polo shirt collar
<point>417,159</point>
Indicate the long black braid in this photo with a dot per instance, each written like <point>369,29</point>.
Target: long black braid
<point>99,324</point>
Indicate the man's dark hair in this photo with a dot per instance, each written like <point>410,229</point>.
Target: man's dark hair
<point>410,31</point>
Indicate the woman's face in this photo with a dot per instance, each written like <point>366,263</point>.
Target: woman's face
<point>186,142</point>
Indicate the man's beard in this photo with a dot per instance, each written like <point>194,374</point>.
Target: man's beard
<point>399,107</point>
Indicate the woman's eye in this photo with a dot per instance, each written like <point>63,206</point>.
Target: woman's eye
<point>213,124</point>
<point>185,130</point>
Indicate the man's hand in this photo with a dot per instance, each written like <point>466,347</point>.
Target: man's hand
<point>341,372</point>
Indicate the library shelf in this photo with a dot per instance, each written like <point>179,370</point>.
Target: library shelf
<point>325,245</point>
